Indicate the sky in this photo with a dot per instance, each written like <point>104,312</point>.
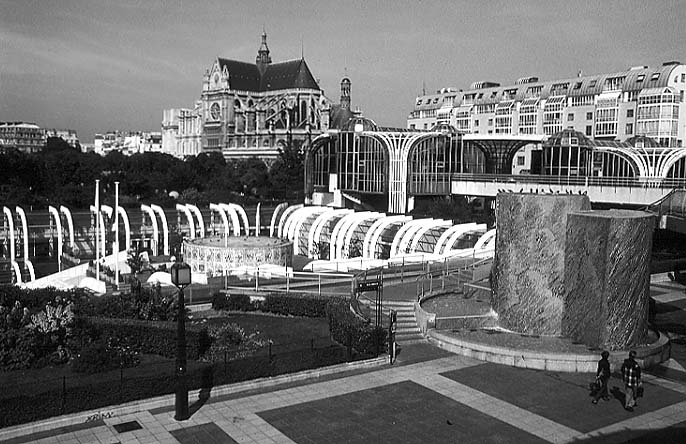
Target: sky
<point>100,65</point>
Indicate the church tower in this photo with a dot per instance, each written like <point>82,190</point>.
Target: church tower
<point>345,93</point>
<point>263,58</point>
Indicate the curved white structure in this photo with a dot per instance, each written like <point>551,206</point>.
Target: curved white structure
<point>399,236</point>
<point>339,231</point>
<point>201,222</point>
<point>101,220</point>
<point>244,216</point>
<point>155,229</point>
<point>10,222</point>
<point>107,210</point>
<point>191,226</point>
<point>165,228</point>
<point>348,236</point>
<point>58,224</point>
<point>484,242</point>
<point>448,245</point>
<point>70,223</point>
<point>461,228</point>
<point>411,235</point>
<point>17,271</point>
<point>378,231</point>
<point>284,218</point>
<point>235,221</point>
<point>257,219</point>
<point>298,219</point>
<point>225,220</point>
<point>422,231</point>
<point>314,236</point>
<point>127,227</point>
<point>275,217</point>
<point>24,232</point>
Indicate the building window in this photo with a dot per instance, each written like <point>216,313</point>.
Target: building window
<point>629,113</point>
<point>476,123</point>
<point>426,126</point>
<point>683,78</point>
<point>655,76</point>
<point>490,131</point>
<point>520,160</point>
<point>589,130</point>
<point>589,116</point>
<point>640,78</point>
<point>412,126</point>
<point>490,122</point>
<point>570,117</point>
<point>592,84</point>
<point>629,128</point>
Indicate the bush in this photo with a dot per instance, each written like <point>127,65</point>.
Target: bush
<point>235,302</point>
<point>295,304</point>
<point>352,331</point>
<point>103,355</point>
<point>153,337</point>
<point>18,348</point>
<point>144,304</point>
<point>37,299</point>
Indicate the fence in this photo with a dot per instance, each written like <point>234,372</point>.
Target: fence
<point>452,274</point>
<point>43,398</point>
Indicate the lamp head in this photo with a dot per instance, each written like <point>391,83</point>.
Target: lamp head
<point>180,274</point>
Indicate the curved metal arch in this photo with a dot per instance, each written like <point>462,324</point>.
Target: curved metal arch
<point>184,209</point>
<point>58,224</point>
<point>372,236</point>
<point>459,229</point>
<point>201,222</point>
<point>670,161</point>
<point>127,227</point>
<point>310,151</point>
<point>448,246</point>
<point>340,250</point>
<point>165,228</point>
<point>145,209</point>
<point>345,250</point>
<point>70,223</point>
<point>422,231</point>
<point>235,221</point>
<point>284,218</point>
<point>279,208</point>
<point>24,232</point>
<point>335,234</point>
<point>374,242</point>
<point>635,161</point>
<point>244,216</point>
<point>99,215</point>
<point>295,221</point>
<point>257,219</point>
<point>300,238</point>
<point>411,233</point>
<point>317,231</point>
<point>10,221</point>
<point>17,271</point>
<point>485,240</point>
<point>225,219</point>
<point>397,239</point>
<point>297,226</point>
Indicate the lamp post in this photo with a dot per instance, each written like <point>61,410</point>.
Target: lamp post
<point>181,278</point>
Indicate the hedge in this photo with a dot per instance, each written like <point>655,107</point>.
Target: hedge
<point>287,304</point>
<point>153,337</point>
<point>352,331</point>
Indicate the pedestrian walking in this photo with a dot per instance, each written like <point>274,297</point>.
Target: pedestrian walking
<point>602,377</point>
<point>631,372</point>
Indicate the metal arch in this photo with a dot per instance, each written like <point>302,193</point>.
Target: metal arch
<point>201,222</point>
<point>310,152</point>
<point>426,241</point>
<point>320,220</point>
<point>184,209</point>
<point>411,233</point>
<point>145,209</point>
<point>458,234</point>
<point>165,229</point>
<point>672,158</point>
<point>244,216</point>
<point>422,231</point>
<point>127,227</point>
<point>637,164</point>
<point>70,223</point>
<point>24,231</point>
<point>455,229</point>
<point>374,232</point>
<point>272,226</point>
<point>351,231</point>
<point>284,217</point>
<point>397,240</point>
<point>257,219</point>
<point>370,232</point>
<point>224,217</point>
<point>296,220</point>
<point>340,247</point>
<point>335,234</point>
<point>58,223</point>
<point>317,232</point>
<point>235,221</point>
<point>289,221</point>
<point>10,221</point>
<point>98,214</point>
<point>485,240</point>
<point>297,226</point>
<point>374,243</point>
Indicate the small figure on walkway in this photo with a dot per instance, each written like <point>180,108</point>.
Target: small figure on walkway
<point>631,372</point>
<point>602,378</point>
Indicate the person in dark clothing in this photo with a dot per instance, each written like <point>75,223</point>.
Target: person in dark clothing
<point>631,372</point>
<point>602,377</point>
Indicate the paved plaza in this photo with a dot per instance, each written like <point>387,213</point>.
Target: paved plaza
<point>427,396</point>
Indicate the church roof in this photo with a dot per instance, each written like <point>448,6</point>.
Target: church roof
<point>285,75</point>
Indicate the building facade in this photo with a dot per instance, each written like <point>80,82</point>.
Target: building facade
<point>640,101</point>
<point>68,135</point>
<point>128,142</point>
<point>23,136</point>
<point>251,109</point>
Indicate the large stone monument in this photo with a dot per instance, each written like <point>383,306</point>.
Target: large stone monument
<point>529,266</point>
<point>607,277</point>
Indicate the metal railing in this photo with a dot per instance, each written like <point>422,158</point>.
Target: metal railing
<point>450,275</point>
<point>585,181</point>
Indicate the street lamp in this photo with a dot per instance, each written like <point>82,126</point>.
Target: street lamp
<point>181,278</point>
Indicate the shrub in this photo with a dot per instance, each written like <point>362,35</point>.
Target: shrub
<point>103,355</point>
<point>235,302</point>
<point>352,331</point>
<point>153,337</point>
<point>229,340</point>
<point>144,304</point>
<point>36,299</point>
<point>295,304</point>
<point>18,348</point>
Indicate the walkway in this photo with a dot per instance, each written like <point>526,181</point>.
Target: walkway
<point>427,396</point>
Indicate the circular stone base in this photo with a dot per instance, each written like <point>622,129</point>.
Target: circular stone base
<point>573,359</point>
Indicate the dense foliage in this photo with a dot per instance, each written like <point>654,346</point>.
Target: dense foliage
<point>63,174</point>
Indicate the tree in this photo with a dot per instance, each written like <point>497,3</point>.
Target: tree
<point>288,172</point>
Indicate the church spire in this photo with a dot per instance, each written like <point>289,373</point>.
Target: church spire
<point>263,58</point>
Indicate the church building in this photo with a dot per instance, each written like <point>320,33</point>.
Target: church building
<point>253,109</point>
